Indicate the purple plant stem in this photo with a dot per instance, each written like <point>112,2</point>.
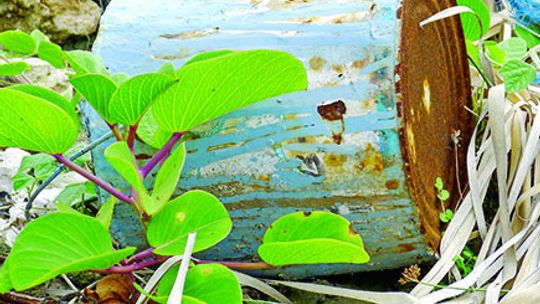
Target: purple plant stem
<point>161,154</point>
<point>128,268</point>
<point>131,137</point>
<point>238,265</point>
<point>96,180</point>
<point>142,255</point>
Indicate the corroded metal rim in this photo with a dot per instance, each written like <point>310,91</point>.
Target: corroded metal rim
<point>432,90</point>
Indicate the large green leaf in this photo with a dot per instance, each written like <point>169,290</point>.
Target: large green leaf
<point>133,97</point>
<point>209,283</point>
<point>83,62</point>
<point>60,243</point>
<point>52,53</point>
<point>515,48</point>
<point>531,39</point>
<point>97,90</point>
<point>208,55</point>
<point>48,95</point>
<point>13,68</point>
<point>150,133</point>
<point>213,87</point>
<point>194,211</point>
<point>312,238</point>
<point>35,124</point>
<point>517,75</point>
<point>169,174</point>
<point>472,28</point>
<point>18,42</point>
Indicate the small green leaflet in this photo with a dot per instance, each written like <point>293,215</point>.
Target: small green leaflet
<point>97,90</point>
<point>75,193</point>
<point>35,124</point>
<point>194,211</point>
<point>121,159</point>
<point>105,213</point>
<point>495,53</point>
<point>13,68</point>
<point>472,28</point>
<point>517,75</point>
<point>134,96</point>
<point>210,88</point>
<point>59,243</point>
<point>312,238</point>
<point>18,42</point>
<point>39,36</point>
<point>169,174</point>
<point>515,48</point>
<point>208,284</point>
<point>446,216</point>
<point>168,69</point>
<point>83,62</point>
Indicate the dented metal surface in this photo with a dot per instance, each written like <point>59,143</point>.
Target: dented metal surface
<point>333,147</point>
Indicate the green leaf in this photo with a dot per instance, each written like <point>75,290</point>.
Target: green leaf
<point>105,213</point>
<point>443,195</point>
<point>446,216</point>
<point>22,180</point>
<point>515,48</point>
<point>5,281</point>
<point>496,54</point>
<point>439,183</point>
<point>97,90</point>
<point>71,194</point>
<point>168,69</point>
<point>531,39</point>
<point>150,133</point>
<point>208,283</point>
<point>169,174</point>
<point>83,62</point>
<point>471,25</point>
<point>211,88</point>
<point>13,68</point>
<point>194,211</point>
<point>52,53</point>
<point>312,238</point>
<point>208,55</point>
<point>35,124</point>
<point>120,78</point>
<point>65,208</point>
<point>18,42</point>
<point>517,75</point>
<point>133,98</point>
<point>60,243</point>
<point>49,95</point>
<point>119,156</point>
<point>39,36</point>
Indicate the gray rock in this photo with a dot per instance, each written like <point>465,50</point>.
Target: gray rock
<point>59,19</point>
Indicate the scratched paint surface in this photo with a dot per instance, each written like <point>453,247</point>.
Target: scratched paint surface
<point>333,147</point>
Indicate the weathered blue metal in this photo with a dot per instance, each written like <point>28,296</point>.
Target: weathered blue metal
<point>345,145</point>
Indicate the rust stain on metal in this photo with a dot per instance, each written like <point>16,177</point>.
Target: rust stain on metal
<point>333,111</point>
<point>372,160</point>
<point>359,64</point>
<point>338,68</point>
<point>392,184</point>
<point>223,146</point>
<point>335,160</point>
<point>316,63</point>
<point>405,247</point>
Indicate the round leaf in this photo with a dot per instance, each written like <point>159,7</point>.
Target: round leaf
<point>517,75</point>
<point>194,211</point>
<point>35,124</point>
<point>472,28</point>
<point>13,68</point>
<point>210,88</point>
<point>134,96</point>
<point>60,243</point>
<point>312,238</point>
<point>209,283</point>
<point>97,90</point>
<point>515,48</point>
<point>18,42</point>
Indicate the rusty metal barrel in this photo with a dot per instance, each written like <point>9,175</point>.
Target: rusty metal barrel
<point>367,140</point>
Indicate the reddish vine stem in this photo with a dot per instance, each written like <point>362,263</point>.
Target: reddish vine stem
<point>116,131</point>
<point>141,255</point>
<point>128,268</point>
<point>96,180</point>
<point>161,154</point>
<point>131,136</point>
